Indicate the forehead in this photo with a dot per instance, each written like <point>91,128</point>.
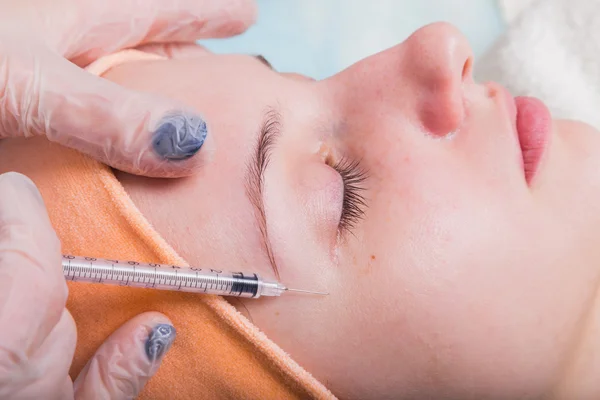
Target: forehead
<point>231,92</point>
<point>201,81</point>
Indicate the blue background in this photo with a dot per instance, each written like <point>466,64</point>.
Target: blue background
<point>321,37</point>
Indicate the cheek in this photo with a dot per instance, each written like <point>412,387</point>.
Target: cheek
<point>491,292</point>
<point>468,279</point>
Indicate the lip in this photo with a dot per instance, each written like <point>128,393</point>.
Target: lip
<point>533,123</point>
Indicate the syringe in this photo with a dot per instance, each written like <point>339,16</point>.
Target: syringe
<point>171,277</point>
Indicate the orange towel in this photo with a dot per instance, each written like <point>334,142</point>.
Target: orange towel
<point>218,353</point>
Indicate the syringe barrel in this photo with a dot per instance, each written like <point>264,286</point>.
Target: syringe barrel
<point>164,277</point>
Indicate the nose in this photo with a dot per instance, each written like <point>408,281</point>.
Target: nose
<point>439,59</point>
<point>423,78</point>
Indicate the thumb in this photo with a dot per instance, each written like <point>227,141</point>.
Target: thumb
<point>42,93</point>
<point>126,360</point>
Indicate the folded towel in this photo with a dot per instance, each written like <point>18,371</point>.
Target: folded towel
<point>550,51</point>
<point>218,353</point>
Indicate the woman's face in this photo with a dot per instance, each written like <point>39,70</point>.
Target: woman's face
<point>460,274</point>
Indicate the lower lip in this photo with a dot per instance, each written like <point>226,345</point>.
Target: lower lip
<point>534,124</point>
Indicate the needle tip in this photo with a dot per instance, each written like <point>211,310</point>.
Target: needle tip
<point>307,291</point>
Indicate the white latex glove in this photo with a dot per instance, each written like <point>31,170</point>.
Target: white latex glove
<point>41,93</point>
<point>37,333</point>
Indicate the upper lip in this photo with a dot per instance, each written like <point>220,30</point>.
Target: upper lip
<point>531,124</point>
<point>511,108</point>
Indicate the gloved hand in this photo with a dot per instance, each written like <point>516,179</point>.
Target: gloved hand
<point>37,333</point>
<point>41,93</point>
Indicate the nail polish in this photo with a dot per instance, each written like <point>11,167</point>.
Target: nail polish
<point>179,136</point>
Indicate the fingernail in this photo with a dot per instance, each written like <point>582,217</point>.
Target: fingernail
<point>179,136</point>
<point>159,341</point>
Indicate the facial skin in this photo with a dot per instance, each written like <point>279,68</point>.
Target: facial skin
<point>462,280</point>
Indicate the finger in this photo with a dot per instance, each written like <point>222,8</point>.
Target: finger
<point>43,375</point>
<point>127,359</point>
<point>178,51</point>
<point>55,355</point>
<point>140,134</point>
<point>33,291</point>
<point>86,31</point>
<point>67,389</point>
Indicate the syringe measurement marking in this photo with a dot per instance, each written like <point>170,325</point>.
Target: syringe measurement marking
<point>150,278</point>
<point>70,271</point>
<point>98,271</point>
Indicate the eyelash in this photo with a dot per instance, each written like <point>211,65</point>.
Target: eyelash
<point>354,203</point>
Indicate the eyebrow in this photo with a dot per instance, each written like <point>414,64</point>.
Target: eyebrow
<point>270,132</point>
<point>263,60</point>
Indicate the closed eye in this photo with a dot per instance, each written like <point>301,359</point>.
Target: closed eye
<point>353,203</point>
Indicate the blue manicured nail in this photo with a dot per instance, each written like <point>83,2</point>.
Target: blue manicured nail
<point>159,341</point>
<point>179,136</point>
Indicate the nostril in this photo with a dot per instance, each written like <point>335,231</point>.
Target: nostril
<point>467,69</point>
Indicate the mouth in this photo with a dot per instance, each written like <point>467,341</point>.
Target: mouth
<point>533,124</point>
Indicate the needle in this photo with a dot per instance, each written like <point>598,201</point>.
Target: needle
<point>307,291</point>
